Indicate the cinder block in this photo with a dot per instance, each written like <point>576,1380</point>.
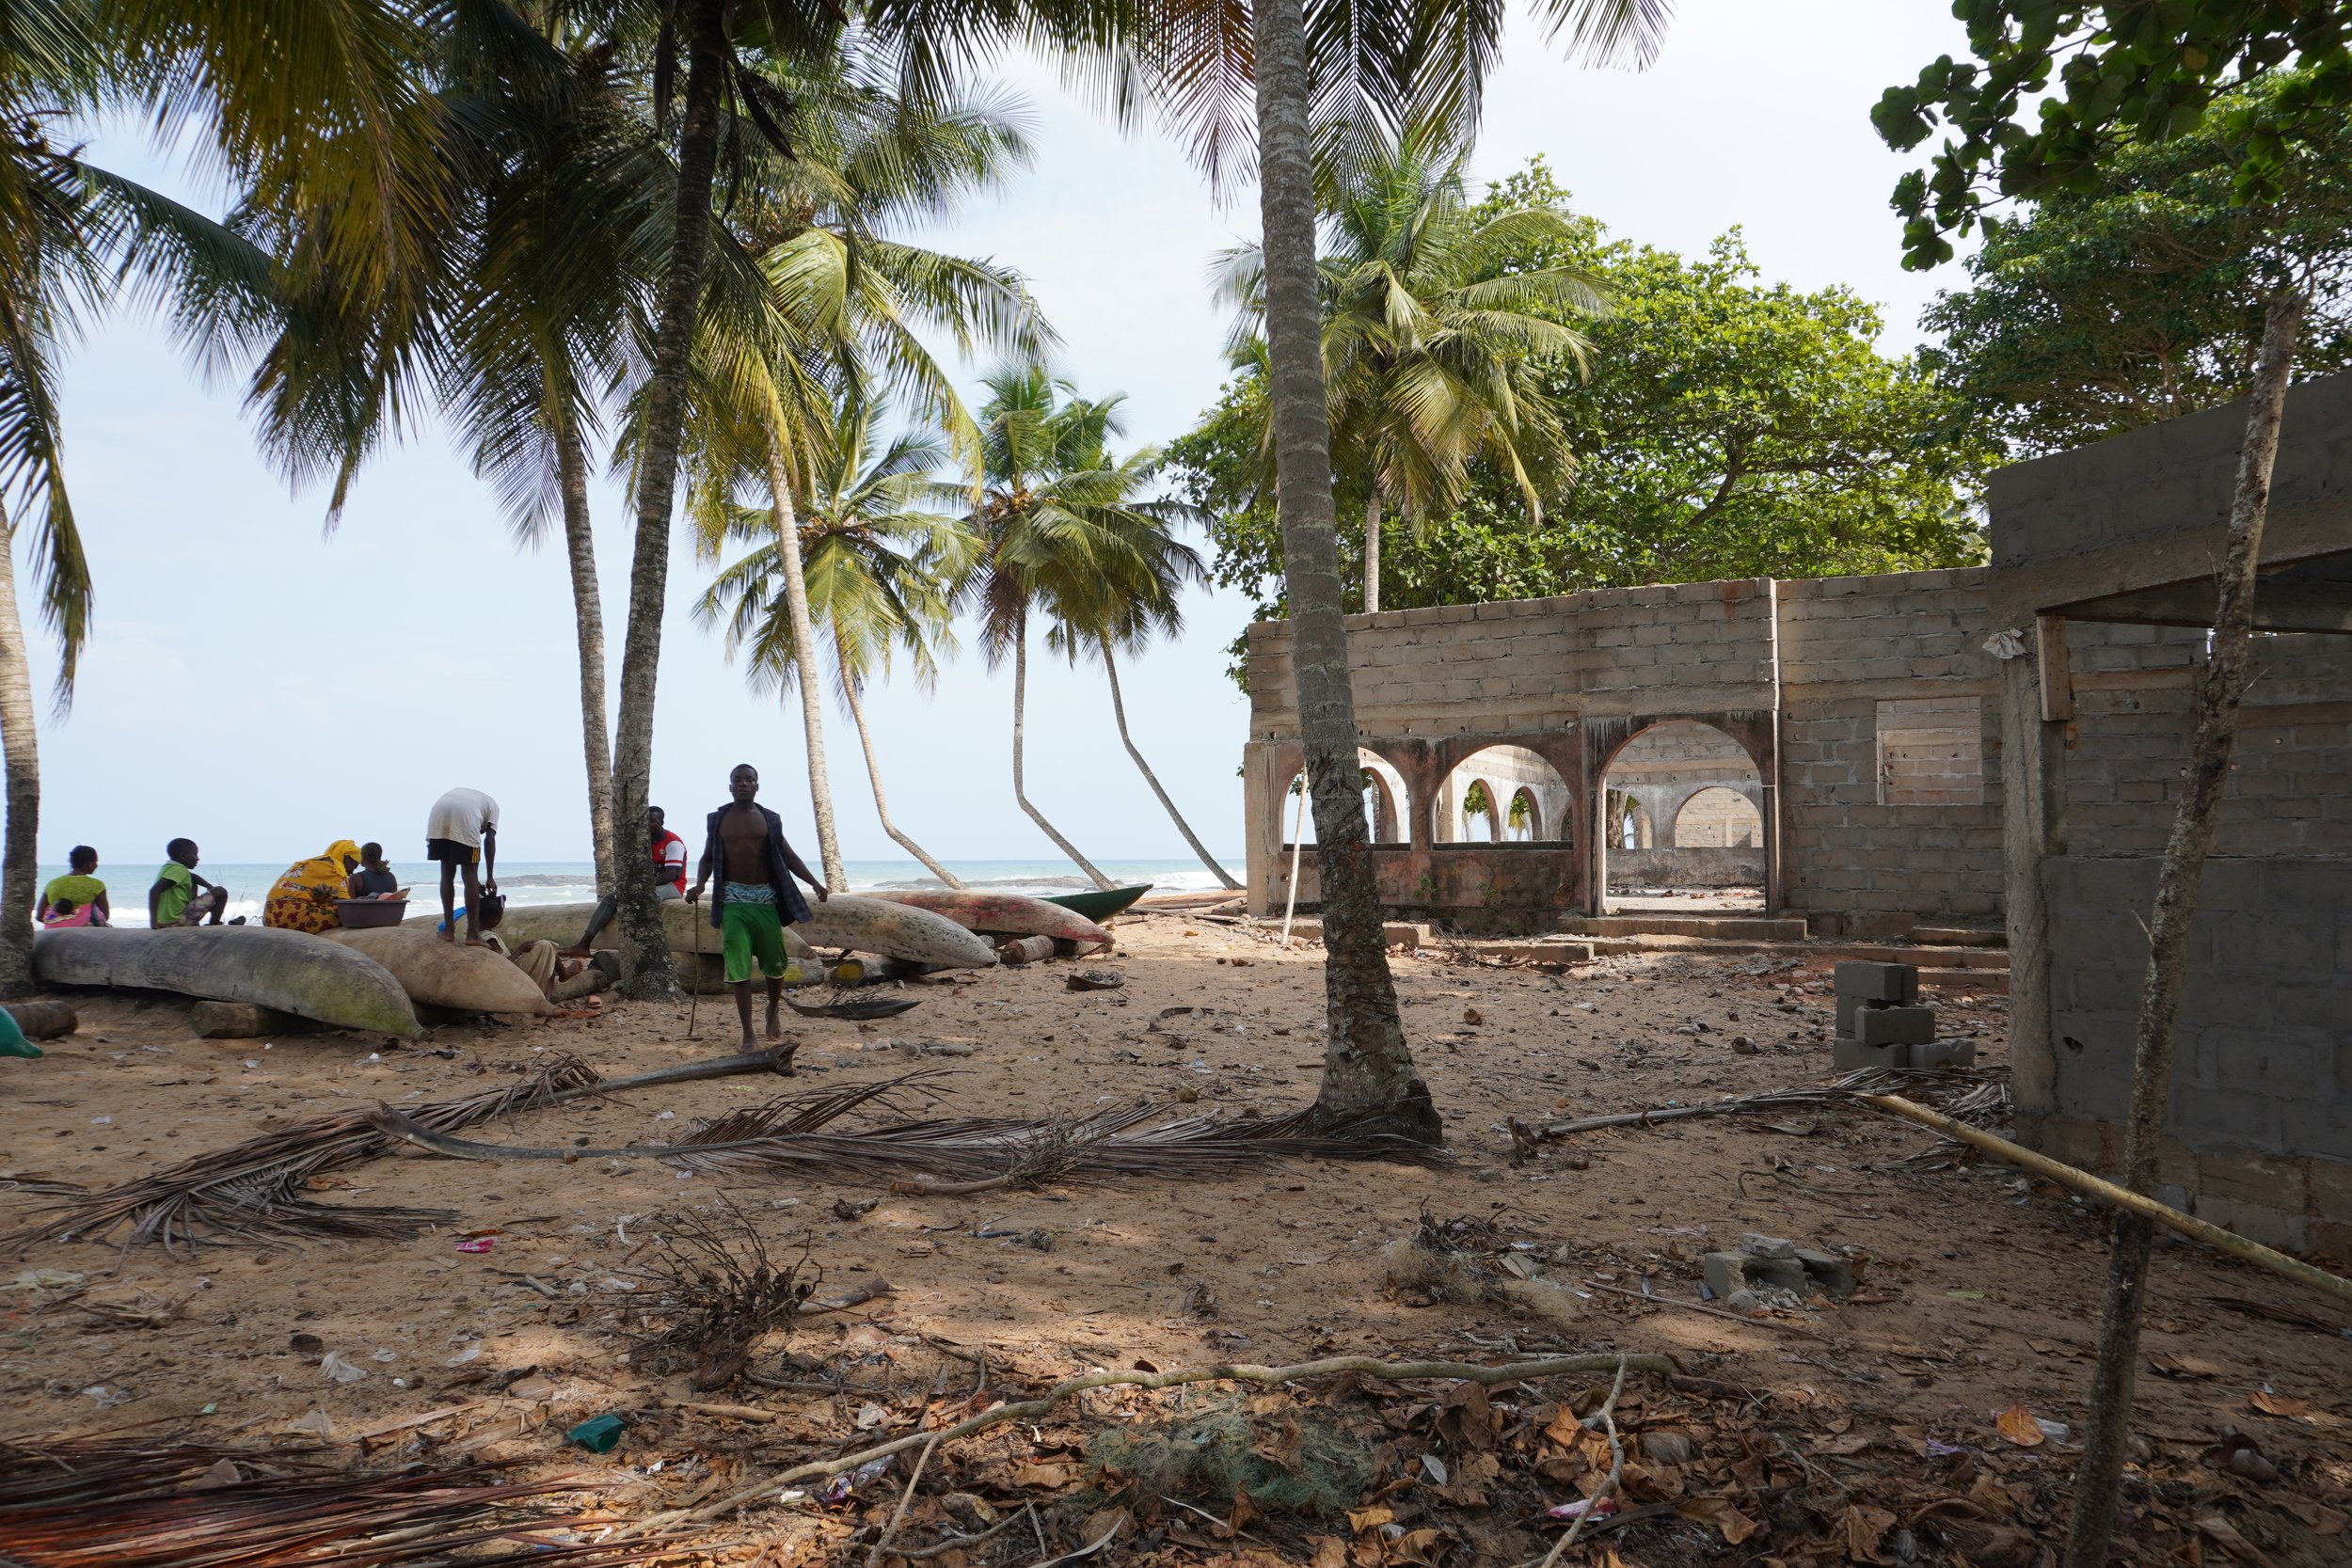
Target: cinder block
<point>1936,1053</point>
<point>1847,1055</point>
<point>1894,1026</point>
<point>1875,982</point>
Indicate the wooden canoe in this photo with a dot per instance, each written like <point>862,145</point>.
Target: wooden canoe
<point>894,931</point>
<point>293,971</point>
<point>449,973</point>
<point>1101,904</point>
<point>1004,914</point>
<point>688,925</point>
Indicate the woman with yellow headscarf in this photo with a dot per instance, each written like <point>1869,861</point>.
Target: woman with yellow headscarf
<point>304,898</point>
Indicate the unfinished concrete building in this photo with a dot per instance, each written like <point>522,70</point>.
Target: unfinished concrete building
<point>1930,749</point>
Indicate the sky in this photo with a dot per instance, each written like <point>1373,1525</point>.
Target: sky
<point>264,688</point>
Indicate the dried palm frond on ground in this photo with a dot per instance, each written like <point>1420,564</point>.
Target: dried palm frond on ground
<point>81,1503</point>
<point>710,1276</point>
<point>789,1136</point>
<point>1979,1096</point>
<point>251,1192</point>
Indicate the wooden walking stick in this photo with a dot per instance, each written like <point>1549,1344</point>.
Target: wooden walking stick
<point>695,993</point>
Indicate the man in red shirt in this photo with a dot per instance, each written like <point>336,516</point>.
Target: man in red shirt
<point>669,859</point>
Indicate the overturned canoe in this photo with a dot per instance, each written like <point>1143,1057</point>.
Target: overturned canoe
<point>291,970</point>
<point>449,973</point>
<point>1103,903</point>
<point>688,925</point>
<point>1004,914</point>
<point>894,931</point>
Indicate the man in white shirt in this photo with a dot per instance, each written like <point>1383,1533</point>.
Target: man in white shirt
<point>462,830</point>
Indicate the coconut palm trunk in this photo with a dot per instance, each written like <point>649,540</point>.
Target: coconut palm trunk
<point>2099,1479</point>
<point>1119,711</point>
<point>787,524</point>
<point>1371,553</point>
<point>881,807</point>
<point>1020,720</point>
<point>579,549</point>
<point>19,849</point>
<point>1369,1080</point>
<point>704,27</point>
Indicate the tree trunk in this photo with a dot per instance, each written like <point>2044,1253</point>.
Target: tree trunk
<point>579,548</point>
<point>1118,710</point>
<point>652,973</point>
<point>1367,1075</point>
<point>787,523</point>
<point>2099,1479</point>
<point>1020,717</point>
<point>1372,552</point>
<point>873,772</point>
<point>20,740</point>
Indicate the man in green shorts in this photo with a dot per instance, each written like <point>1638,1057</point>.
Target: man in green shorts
<point>744,843</point>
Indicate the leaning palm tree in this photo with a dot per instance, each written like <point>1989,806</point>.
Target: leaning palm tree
<point>74,238</point>
<point>1063,530</point>
<point>832,308</point>
<point>1435,340</point>
<point>879,551</point>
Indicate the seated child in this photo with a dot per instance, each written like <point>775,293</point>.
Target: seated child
<point>374,879</point>
<point>78,893</point>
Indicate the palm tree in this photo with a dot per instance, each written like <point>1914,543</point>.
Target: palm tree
<point>1433,342</point>
<point>880,555</point>
<point>1063,530</point>
<point>832,310</point>
<point>73,238</point>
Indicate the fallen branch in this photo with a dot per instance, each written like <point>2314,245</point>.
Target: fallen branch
<point>2122,1198</point>
<point>1857,1084</point>
<point>858,1297</point>
<point>1609,1485</point>
<point>881,1543</point>
<point>1712,1311</point>
<point>1030,1410</point>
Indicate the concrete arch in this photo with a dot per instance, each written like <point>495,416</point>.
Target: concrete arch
<point>1387,799</point>
<point>1505,769</point>
<point>1718,816</point>
<point>1523,803</point>
<point>1743,755</point>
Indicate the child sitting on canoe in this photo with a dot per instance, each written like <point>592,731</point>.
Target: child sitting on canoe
<point>77,898</point>
<point>180,896</point>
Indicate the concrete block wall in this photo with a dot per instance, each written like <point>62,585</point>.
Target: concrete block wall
<point>1851,865</point>
<point>1705,866</point>
<point>2261,1117</point>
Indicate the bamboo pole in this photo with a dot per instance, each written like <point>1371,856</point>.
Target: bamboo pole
<point>2122,1197</point>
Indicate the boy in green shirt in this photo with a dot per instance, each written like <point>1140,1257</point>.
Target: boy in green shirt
<point>80,888</point>
<point>180,896</point>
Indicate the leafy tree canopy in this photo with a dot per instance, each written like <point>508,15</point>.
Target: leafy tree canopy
<point>2096,311</point>
<point>1724,428</point>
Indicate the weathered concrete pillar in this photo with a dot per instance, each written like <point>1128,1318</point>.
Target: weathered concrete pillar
<point>2033,824</point>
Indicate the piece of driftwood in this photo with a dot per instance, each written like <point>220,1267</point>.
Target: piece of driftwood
<point>1984,1090</point>
<point>1024,950</point>
<point>2122,1198</point>
<point>858,1010</point>
<point>1030,1410</point>
<point>44,1020</point>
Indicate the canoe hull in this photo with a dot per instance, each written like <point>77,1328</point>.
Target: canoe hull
<point>1103,903</point>
<point>688,925</point>
<point>447,973</point>
<point>894,931</point>
<point>1004,914</point>
<point>293,971</point>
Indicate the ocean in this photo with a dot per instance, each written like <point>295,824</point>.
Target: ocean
<point>574,882</point>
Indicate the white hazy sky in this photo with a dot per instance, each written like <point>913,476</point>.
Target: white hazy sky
<point>266,689</point>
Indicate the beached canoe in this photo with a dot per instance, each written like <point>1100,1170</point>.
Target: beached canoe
<point>291,970</point>
<point>449,973</point>
<point>1003,915</point>
<point>1103,903</point>
<point>894,931</point>
<point>687,925</point>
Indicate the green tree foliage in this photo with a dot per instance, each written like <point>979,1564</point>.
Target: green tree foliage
<point>1723,428</point>
<point>2097,312</point>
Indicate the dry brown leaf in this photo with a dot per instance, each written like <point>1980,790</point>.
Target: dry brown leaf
<point>2322,1520</point>
<point>1425,1547</point>
<point>1363,1519</point>
<point>1331,1552</point>
<point>2280,1405</point>
<point>2225,1535</point>
<point>1052,1474</point>
<point>1866,1530</point>
<point>2017,1424</point>
<point>2180,1366</point>
<point>1734,1526</point>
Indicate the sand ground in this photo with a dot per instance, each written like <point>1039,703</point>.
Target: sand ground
<point>1978,1291</point>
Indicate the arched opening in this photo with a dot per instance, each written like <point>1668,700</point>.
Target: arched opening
<point>1719,818</point>
<point>1386,803</point>
<point>1504,794</point>
<point>1524,821</point>
<point>1682,809</point>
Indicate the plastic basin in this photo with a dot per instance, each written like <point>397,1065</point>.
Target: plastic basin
<point>362,915</point>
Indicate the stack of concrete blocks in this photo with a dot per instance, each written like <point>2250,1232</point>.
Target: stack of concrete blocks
<point>1772,1271</point>
<point>1881,1023</point>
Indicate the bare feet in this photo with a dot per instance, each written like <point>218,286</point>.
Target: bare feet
<point>445,935</point>
<point>776,1023</point>
<point>476,942</point>
<point>751,1042</point>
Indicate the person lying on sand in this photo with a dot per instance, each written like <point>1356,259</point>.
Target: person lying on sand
<point>180,896</point>
<point>461,830</point>
<point>374,879</point>
<point>78,898</point>
<point>559,978</point>
<point>744,842</point>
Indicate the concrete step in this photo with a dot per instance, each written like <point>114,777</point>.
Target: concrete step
<point>1957,936</point>
<point>1923,956</point>
<point>1750,927</point>
<point>1981,982</point>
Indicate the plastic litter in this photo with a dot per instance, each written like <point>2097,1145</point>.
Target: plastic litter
<point>598,1433</point>
<point>334,1366</point>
